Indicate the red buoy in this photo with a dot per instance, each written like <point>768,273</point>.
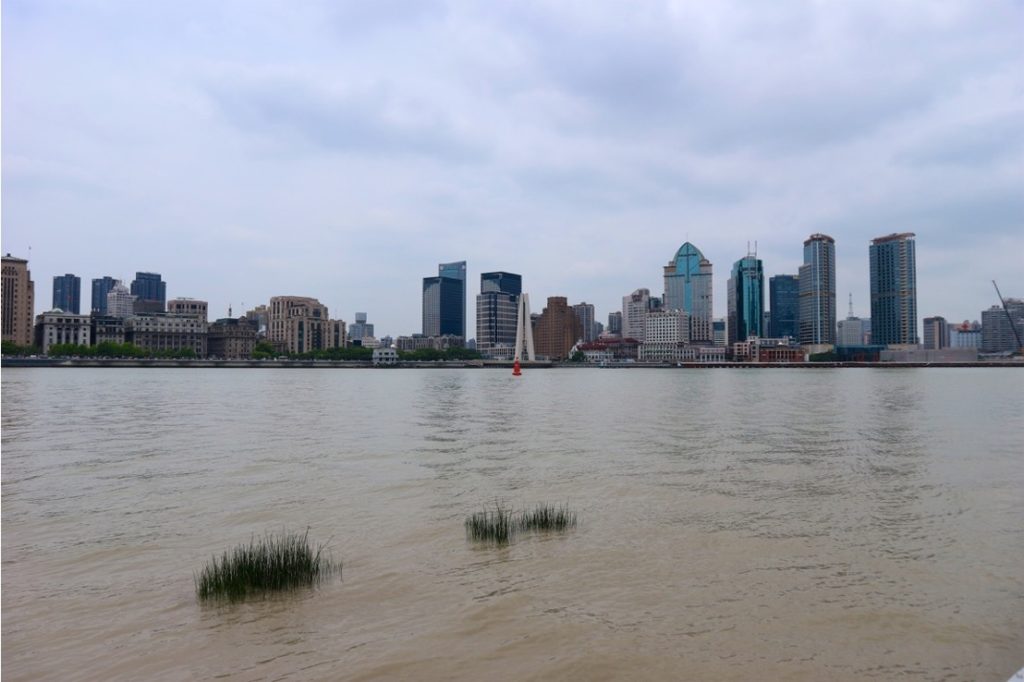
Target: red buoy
<point>515,369</point>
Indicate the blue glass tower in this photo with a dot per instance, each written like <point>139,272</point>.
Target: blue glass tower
<point>100,288</point>
<point>444,301</point>
<point>688,288</point>
<point>150,292</point>
<point>746,299</point>
<point>784,302</point>
<point>67,293</point>
<point>893,289</point>
<point>817,318</point>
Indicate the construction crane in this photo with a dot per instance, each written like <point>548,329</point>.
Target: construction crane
<point>1009,317</point>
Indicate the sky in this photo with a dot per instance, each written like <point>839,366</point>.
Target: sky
<point>342,150</point>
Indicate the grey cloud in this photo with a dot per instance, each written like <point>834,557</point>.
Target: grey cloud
<point>368,121</point>
<point>977,144</point>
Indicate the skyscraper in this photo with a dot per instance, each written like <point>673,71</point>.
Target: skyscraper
<point>784,301</point>
<point>496,309</point>
<point>100,288</point>
<point>585,313</point>
<point>615,322</point>
<point>688,288</point>
<point>746,299</point>
<point>996,332</point>
<point>936,333</point>
<point>444,301</point>
<point>67,293</point>
<point>893,275</point>
<point>557,330</point>
<point>817,320</point>
<point>360,328</point>
<point>635,307</point>
<point>150,292</point>
<point>18,293</point>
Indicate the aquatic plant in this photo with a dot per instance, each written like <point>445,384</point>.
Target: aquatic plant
<point>270,563</point>
<point>497,525</point>
<point>547,517</point>
<point>501,525</point>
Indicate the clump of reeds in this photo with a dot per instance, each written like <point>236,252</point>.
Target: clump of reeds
<point>547,517</point>
<point>270,563</point>
<point>500,525</point>
<point>492,525</point>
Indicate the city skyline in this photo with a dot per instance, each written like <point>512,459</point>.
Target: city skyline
<point>306,153</point>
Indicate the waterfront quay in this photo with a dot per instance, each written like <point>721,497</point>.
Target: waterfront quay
<point>466,364</point>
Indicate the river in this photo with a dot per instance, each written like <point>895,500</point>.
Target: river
<point>845,524</point>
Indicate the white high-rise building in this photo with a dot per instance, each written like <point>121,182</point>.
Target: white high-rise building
<point>120,301</point>
<point>634,314</point>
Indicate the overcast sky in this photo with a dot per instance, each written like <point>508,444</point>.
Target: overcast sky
<point>342,150</point>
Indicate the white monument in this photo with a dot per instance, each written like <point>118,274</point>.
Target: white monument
<point>524,331</point>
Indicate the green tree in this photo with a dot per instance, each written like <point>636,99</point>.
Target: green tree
<point>578,356</point>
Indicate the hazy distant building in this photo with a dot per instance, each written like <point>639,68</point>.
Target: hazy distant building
<point>166,332</point>
<point>615,322</point>
<point>100,288</point>
<point>996,333</point>
<point>853,331</point>
<point>18,293</point>
<point>360,328</point>
<point>635,307</point>
<point>120,302</point>
<point>667,337</point>
<point>444,301</point>
<point>496,309</point>
<point>745,299</point>
<point>817,283</point>
<point>150,292</point>
<point>67,293</point>
<point>231,339</point>
<point>688,287</point>
<point>893,274</point>
<point>259,317</point>
<point>585,313</point>
<point>107,329</point>
<point>189,306</point>
<point>936,333</point>
<point>718,332</point>
<point>557,329</point>
<point>298,324</point>
<point>965,335</point>
<point>784,301</point>
<point>60,327</point>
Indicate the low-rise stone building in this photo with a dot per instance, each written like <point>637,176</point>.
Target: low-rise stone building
<point>231,339</point>
<point>165,331</point>
<point>58,327</point>
<point>107,329</point>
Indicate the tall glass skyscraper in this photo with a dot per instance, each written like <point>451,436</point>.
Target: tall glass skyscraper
<point>746,299</point>
<point>818,291</point>
<point>496,309</point>
<point>688,288</point>
<point>100,288</point>
<point>150,292</point>
<point>67,293</point>
<point>784,302</point>
<point>893,289</point>
<point>444,301</point>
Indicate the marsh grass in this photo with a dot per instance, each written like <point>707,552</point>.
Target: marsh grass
<point>268,564</point>
<point>501,525</point>
<point>492,525</point>
<point>547,517</point>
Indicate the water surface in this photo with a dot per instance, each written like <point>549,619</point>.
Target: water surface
<point>842,524</point>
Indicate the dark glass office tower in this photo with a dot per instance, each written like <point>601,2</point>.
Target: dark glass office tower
<point>817,320</point>
<point>893,289</point>
<point>150,292</point>
<point>496,309</point>
<point>444,301</point>
<point>746,299</point>
<point>67,293</point>
<point>784,302</point>
<point>100,288</point>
